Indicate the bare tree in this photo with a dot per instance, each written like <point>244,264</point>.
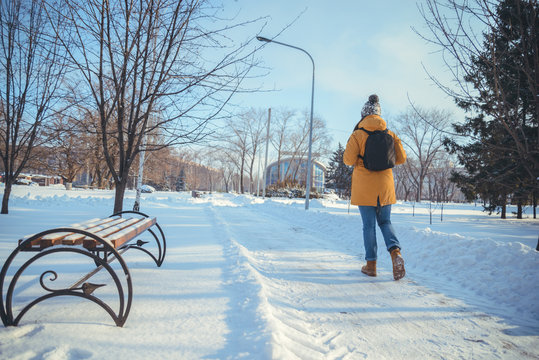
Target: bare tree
<point>31,73</point>
<point>68,151</point>
<point>257,122</point>
<point>440,186</point>
<point>280,127</point>
<point>422,133</point>
<point>237,145</point>
<point>227,169</point>
<point>148,65</point>
<point>404,184</point>
<point>298,144</point>
<point>242,139</point>
<point>99,172</point>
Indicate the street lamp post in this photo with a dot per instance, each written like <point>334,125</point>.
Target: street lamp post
<point>309,159</point>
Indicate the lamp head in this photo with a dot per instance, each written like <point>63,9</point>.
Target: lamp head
<point>261,38</point>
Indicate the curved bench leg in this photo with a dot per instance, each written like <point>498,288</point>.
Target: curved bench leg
<point>159,237</point>
<point>82,288</point>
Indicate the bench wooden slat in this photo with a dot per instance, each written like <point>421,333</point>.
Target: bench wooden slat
<point>115,230</point>
<point>57,238</point>
<point>123,236</point>
<point>77,239</point>
<point>105,234</point>
<point>117,227</point>
<point>37,240</point>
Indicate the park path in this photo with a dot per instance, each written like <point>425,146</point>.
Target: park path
<point>302,289</point>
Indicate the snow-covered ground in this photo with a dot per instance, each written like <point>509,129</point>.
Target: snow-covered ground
<point>246,278</point>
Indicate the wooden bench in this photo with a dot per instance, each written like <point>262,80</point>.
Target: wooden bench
<point>102,240</point>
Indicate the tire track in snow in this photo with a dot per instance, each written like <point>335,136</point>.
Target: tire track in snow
<point>248,335</point>
<point>273,271</point>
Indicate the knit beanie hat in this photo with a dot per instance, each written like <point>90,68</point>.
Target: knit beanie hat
<point>371,107</point>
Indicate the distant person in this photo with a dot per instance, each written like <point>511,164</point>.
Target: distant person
<point>373,191</point>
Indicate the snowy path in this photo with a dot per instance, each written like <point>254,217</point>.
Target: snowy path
<point>318,305</point>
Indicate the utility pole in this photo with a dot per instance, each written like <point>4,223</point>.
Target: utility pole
<point>266,160</point>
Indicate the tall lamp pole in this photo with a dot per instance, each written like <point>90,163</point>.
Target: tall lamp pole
<point>309,159</point>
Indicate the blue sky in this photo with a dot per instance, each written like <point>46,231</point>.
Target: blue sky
<point>359,48</point>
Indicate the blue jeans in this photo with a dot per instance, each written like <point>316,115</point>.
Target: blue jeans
<point>382,215</point>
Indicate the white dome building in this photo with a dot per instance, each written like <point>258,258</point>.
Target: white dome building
<point>294,169</point>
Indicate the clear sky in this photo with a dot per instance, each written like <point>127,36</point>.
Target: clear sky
<point>359,47</point>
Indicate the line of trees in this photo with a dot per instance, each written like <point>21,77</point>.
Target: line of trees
<point>244,138</point>
<point>232,161</point>
<point>424,175</point>
<point>147,74</point>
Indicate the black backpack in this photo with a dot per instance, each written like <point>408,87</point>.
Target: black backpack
<point>379,150</point>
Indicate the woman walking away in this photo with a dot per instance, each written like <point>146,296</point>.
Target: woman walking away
<point>373,188</point>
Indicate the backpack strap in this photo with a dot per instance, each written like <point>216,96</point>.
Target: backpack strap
<point>374,132</point>
<point>367,131</point>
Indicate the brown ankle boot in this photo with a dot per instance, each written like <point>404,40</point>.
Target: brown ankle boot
<point>398,264</point>
<point>370,268</point>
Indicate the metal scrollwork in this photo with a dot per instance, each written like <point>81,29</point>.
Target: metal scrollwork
<point>87,288</point>
<point>55,276</point>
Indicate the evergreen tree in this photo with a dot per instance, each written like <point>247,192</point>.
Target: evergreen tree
<point>339,175</point>
<point>502,159</point>
<point>488,173</point>
<point>180,182</point>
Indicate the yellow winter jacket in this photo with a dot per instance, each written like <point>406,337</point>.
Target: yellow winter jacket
<point>369,186</point>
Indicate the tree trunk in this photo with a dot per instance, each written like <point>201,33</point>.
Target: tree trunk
<point>119,194</point>
<point>420,186</point>
<point>5,199</point>
<point>519,210</point>
<point>241,175</point>
<point>534,204</point>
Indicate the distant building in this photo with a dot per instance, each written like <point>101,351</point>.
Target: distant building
<point>35,179</point>
<point>292,169</point>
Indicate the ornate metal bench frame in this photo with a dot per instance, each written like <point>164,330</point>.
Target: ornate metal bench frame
<point>102,254</point>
